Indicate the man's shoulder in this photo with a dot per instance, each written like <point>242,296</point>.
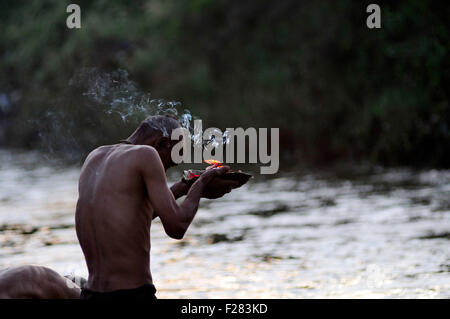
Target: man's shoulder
<point>97,152</point>
<point>146,157</point>
<point>132,156</point>
<point>141,154</point>
<point>145,150</point>
<point>124,150</point>
<point>137,156</point>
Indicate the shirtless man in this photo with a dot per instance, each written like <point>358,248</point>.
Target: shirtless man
<point>122,187</point>
<point>36,282</point>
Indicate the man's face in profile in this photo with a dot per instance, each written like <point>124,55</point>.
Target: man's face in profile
<point>164,148</point>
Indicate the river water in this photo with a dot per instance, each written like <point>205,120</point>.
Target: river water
<point>378,234</point>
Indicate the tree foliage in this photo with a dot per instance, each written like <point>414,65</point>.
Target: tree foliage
<point>336,89</point>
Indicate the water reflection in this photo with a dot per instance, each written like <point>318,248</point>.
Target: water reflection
<point>383,234</point>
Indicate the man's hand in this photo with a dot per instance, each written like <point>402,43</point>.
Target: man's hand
<point>215,186</point>
<point>209,175</point>
<point>218,187</point>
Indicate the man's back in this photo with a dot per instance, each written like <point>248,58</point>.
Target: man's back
<point>121,189</point>
<point>113,218</point>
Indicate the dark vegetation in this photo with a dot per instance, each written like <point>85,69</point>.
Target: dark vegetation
<point>336,89</point>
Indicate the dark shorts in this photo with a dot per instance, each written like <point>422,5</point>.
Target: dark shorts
<point>144,292</point>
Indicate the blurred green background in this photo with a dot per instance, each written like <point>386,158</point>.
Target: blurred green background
<point>337,90</point>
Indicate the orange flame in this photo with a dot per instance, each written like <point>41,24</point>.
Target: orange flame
<point>213,163</point>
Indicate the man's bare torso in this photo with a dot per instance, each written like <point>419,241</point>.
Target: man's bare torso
<point>113,219</point>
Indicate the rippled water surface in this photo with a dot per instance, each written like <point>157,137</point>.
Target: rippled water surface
<point>310,235</point>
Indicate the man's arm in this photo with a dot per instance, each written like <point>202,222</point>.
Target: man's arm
<point>178,189</point>
<point>175,218</point>
<point>216,188</point>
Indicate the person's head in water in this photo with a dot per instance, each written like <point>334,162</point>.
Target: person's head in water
<point>156,131</point>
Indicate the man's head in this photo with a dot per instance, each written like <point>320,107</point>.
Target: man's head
<point>156,131</point>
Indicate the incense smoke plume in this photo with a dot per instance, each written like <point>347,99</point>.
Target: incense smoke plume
<point>100,108</point>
